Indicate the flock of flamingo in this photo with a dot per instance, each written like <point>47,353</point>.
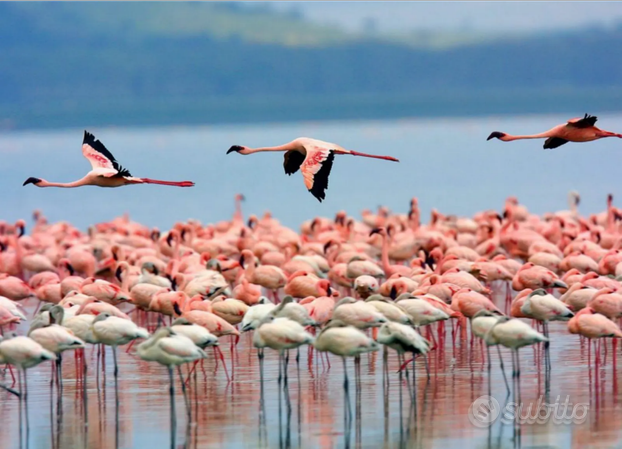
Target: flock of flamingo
<point>340,286</point>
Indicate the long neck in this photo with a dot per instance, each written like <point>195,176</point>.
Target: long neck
<point>286,147</point>
<point>384,255</point>
<point>509,137</point>
<point>66,185</point>
<point>238,211</point>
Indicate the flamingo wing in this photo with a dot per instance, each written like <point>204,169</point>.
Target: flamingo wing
<point>585,122</point>
<point>316,169</point>
<point>554,142</point>
<point>100,158</point>
<point>292,161</point>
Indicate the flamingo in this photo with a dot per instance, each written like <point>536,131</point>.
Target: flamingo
<point>280,334</point>
<point>56,339</point>
<point>575,130</point>
<point>24,353</point>
<point>402,339</point>
<point>255,314</point>
<point>313,157</point>
<point>590,324</point>
<point>106,172</point>
<point>514,334</point>
<point>344,340</point>
<point>168,348</point>
<point>114,331</point>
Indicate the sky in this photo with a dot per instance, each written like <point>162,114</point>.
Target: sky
<point>441,16</point>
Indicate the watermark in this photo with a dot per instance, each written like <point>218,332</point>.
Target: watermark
<point>485,411</point>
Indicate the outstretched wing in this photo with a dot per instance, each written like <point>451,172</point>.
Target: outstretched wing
<point>315,171</point>
<point>554,142</point>
<point>99,156</point>
<point>585,122</point>
<point>293,161</point>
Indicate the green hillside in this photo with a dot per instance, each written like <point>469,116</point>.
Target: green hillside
<point>118,63</point>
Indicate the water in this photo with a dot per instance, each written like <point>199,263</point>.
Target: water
<point>446,163</point>
<point>229,413</point>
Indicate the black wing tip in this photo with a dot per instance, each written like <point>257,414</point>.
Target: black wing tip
<point>88,138</point>
<point>320,180</point>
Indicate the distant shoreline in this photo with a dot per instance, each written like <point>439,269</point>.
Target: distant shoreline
<point>221,111</point>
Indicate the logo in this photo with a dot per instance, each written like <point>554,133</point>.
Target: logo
<point>484,411</point>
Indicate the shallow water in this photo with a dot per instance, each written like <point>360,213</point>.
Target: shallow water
<point>446,163</point>
<point>227,414</point>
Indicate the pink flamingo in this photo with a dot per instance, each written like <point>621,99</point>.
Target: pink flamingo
<point>106,172</point>
<point>575,130</point>
<point>590,324</point>
<point>386,265</point>
<point>313,157</point>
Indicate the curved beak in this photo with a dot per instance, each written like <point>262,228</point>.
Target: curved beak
<point>235,148</point>
<point>117,274</point>
<point>241,262</point>
<point>374,231</point>
<point>31,180</point>
<point>176,308</point>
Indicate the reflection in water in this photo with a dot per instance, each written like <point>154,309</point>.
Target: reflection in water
<point>311,405</point>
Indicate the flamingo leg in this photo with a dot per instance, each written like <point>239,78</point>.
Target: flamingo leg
<point>172,399</point>
<point>222,359</point>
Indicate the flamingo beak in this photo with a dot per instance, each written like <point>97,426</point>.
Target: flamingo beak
<point>374,231</point>
<point>176,308</point>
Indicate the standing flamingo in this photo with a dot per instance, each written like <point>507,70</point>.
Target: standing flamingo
<point>280,334</point>
<point>313,157</point>
<point>575,130</point>
<point>106,172</point>
<point>171,349</point>
<point>344,341</point>
<point>513,334</point>
<point>24,353</point>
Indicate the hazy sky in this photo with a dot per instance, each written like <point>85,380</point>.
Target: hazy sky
<point>483,16</point>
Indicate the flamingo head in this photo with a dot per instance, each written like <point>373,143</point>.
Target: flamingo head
<point>238,149</point>
<point>32,180</point>
<point>496,135</point>
<point>325,285</point>
<point>382,231</point>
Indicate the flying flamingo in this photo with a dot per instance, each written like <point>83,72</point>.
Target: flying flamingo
<point>575,130</point>
<point>313,157</point>
<point>106,172</point>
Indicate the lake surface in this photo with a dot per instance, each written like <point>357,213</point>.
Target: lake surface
<point>228,414</point>
<point>446,163</point>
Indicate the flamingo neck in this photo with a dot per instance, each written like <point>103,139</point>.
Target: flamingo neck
<point>509,137</point>
<point>384,255</point>
<point>285,147</point>
<point>65,185</point>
